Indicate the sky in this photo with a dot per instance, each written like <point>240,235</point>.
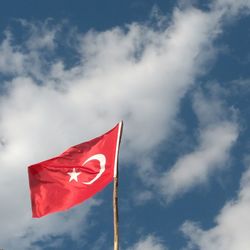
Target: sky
<point>177,74</point>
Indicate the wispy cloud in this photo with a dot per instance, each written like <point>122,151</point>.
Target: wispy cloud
<point>148,243</point>
<point>216,137</point>
<point>232,224</point>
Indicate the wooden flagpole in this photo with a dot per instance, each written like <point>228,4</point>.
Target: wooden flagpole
<point>116,216</point>
<point>115,191</point>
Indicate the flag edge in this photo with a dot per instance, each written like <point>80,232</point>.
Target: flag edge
<point>117,147</point>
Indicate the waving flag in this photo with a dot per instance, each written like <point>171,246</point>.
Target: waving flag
<point>75,175</point>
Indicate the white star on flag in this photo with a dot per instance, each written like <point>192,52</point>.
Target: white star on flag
<point>73,175</point>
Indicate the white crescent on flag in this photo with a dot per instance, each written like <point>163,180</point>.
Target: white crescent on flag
<point>102,160</point>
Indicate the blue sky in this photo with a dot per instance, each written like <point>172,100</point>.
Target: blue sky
<point>176,72</point>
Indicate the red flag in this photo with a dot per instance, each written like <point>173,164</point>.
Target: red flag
<point>75,175</point>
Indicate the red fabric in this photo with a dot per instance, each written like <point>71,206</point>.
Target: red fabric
<point>50,185</point>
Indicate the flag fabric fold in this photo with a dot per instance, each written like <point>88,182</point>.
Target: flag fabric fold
<point>75,175</point>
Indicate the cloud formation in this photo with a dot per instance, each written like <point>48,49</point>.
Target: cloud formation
<point>149,243</point>
<point>231,231</point>
<point>217,134</point>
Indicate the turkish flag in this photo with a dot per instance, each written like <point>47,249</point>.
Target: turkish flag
<point>75,175</point>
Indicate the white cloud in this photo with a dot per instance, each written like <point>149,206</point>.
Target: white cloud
<point>11,60</point>
<point>22,232</point>
<point>231,231</point>
<point>138,75</point>
<point>231,7</point>
<point>217,134</point>
<point>42,36</point>
<point>195,168</point>
<point>149,243</point>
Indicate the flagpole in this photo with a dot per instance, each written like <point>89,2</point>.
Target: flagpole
<point>115,190</point>
<point>116,215</point>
